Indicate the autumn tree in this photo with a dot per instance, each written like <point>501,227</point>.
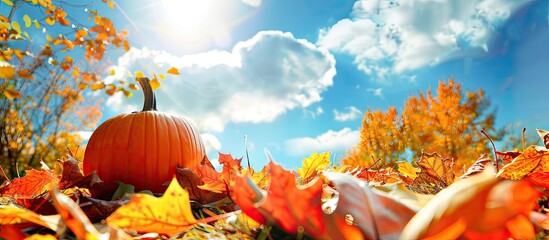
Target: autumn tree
<point>49,57</point>
<point>448,123</point>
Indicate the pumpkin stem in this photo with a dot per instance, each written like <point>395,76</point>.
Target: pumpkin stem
<point>150,100</point>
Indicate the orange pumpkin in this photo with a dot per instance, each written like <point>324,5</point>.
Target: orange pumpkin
<point>143,148</point>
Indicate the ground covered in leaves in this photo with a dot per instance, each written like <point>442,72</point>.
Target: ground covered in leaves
<point>406,200</point>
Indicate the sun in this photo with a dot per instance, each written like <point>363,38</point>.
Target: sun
<point>189,15</point>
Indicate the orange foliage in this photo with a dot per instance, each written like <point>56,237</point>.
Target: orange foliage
<point>448,123</point>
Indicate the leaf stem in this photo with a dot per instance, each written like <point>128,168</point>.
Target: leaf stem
<point>493,147</point>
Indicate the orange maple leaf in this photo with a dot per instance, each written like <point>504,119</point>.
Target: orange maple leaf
<point>525,163</point>
<point>35,182</point>
<point>439,168</point>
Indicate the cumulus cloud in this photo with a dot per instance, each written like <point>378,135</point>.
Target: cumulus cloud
<point>259,80</point>
<point>350,113</point>
<point>388,36</point>
<point>211,143</point>
<point>330,141</point>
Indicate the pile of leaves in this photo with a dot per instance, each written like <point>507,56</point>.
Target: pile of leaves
<point>421,199</point>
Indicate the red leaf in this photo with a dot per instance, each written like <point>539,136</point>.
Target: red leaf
<point>285,204</point>
<point>540,179</point>
<point>35,182</point>
<point>477,167</point>
<point>190,181</point>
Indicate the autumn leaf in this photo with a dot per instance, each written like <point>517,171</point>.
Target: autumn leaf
<point>507,157</point>
<point>477,167</point>
<point>34,182</point>
<point>27,20</point>
<point>73,216</point>
<point>189,180</point>
<point>173,70</point>
<point>477,204</point>
<point>524,163</point>
<point>215,181</point>
<point>7,71</point>
<point>155,84</point>
<point>12,94</point>
<point>407,169</point>
<point>544,135</point>
<point>375,214</point>
<point>10,215</point>
<point>285,204</point>
<point>72,175</point>
<point>437,167</point>
<point>169,214</point>
<point>262,178</point>
<point>312,165</point>
<point>540,179</point>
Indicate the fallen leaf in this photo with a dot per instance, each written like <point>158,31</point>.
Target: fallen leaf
<point>72,175</point>
<point>544,135</point>
<point>190,181</point>
<point>169,214</point>
<point>524,163</point>
<point>437,167</point>
<point>73,216</point>
<point>313,165</point>
<point>540,179</point>
<point>285,204</point>
<point>407,169</point>
<point>34,183</point>
<point>480,205</point>
<point>375,214</point>
<point>477,167</point>
<point>10,215</point>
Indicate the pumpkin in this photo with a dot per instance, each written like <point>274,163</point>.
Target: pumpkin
<point>143,148</point>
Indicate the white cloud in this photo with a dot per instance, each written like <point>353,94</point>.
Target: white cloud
<point>387,37</point>
<point>211,143</point>
<point>330,141</point>
<point>259,80</point>
<point>253,3</point>
<point>376,91</point>
<point>85,135</point>
<point>314,113</point>
<point>350,113</point>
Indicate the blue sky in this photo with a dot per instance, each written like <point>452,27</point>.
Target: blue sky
<point>295,76</point>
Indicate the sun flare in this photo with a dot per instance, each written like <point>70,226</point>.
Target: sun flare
<point>188,14</point>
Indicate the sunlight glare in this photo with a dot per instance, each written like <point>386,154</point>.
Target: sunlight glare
<point>188,14</point>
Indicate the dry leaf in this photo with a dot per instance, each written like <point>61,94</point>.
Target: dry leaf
<point>73,216</point>
<point>524,163</point>
<point>173,70</point>
<point>10,215</point>
<point>407,169</point>
<point>437,167</point>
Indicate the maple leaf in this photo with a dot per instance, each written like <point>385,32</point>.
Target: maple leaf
<point>10,215</point>
<point>437,167</point>
<point>215,181</point>
<point>480,205</point>
<point>72,175</point>
<point>190,181</point>
<point>312,165</point>
<point>507,157</point>
<point>285,204</point>
<point>262,178</point>
<point>524,163</point>
<point>540,179</point>
<point>173,70</point>
<point>407,169</point>
<point>169,214</point>
<point>378,177</point>
<point>34,183</point>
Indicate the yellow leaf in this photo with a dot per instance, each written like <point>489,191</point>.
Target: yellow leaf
<point>161,76</point>
<point>36,24</point>
<point>97,86</point>
<point>27,20</point>
<point>155,84</point>
<point>173,70</point>
<point>139,74</point>
<point>313,164</point>
<point>13,215</point>
<point>110,4</point>
<point>261,178</point>
<point>38,236</point>
<point>7,72</point>
<point>50,20</point>
<point>25,73</point>
<point>49,38</point>
<point>524,163</point>
<point>169,214</point>
<point>407,169</point>
<point>15,26</point>
<point>8,2</point>
<point>112,72</point>
<point>133,86</point>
